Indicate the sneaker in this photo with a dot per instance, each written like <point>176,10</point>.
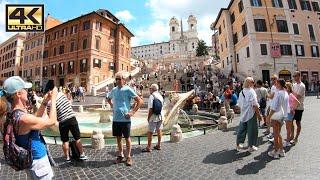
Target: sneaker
<point>252,148</point>
<point>281,153</point>
<point>273,154</point>
<point>264,125</point>
<point>270,136</point>
<point>266,132</point>
<point>118,160</point>
<point>67,160</point>
<point>83,157</point>
<point>239,147</point>
<point>129,161</point>
<point>271,140</point>
<point>286,144</point>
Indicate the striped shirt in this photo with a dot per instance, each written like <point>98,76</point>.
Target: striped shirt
<point>64,109</point>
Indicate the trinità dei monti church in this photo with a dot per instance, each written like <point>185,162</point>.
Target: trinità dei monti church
<point>180,48</point>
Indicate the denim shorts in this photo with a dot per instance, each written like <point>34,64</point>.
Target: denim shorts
<point>289,117</point>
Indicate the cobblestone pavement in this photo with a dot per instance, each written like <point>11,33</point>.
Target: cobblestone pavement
<point>209,156</point>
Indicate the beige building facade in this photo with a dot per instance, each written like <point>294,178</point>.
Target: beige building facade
<point>263,37</point>
<point>11,56</point>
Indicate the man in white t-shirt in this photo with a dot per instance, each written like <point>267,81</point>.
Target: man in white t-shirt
<point>154,120</point>
<point>299,90</point>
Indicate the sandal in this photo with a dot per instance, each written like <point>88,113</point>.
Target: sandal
<point>145,150</point>
<point>118,160</point>
<point>157,148</point>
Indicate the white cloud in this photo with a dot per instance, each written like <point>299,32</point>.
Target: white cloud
<point>162,10</point>
<point>3,34</point>
<point>124,15</point>
<point>156,32</point>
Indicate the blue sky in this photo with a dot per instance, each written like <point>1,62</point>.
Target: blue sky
<point>147,19</point>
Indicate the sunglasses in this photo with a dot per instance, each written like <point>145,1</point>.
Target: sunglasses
<point>118,79</point>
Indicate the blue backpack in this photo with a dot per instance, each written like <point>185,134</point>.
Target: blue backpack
<point>156,106</point>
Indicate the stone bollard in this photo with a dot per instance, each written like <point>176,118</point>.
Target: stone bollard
<point>104,117</point>
<point>223,123</point>
<point>80,109</point>
<point>230,115</point>
<point>103,106</point>
<point>93,91</point>
<point>97,140</point>
<point>195,108</point>
<point>176,133</point>
<point>236,109</point>
<point>108,107</point>
<point>223,111</point>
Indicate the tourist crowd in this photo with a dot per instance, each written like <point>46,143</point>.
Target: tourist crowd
<point>282,104</point>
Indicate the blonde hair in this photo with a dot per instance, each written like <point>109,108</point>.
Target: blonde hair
<point>120,74</point>
<point>4,108</point>
<point>247,81</point>
<point>155,87</point>
<point>289,86</point>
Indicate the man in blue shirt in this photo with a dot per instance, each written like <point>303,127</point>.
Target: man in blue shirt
<point>120,100</point>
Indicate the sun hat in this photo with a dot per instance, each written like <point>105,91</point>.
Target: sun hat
<point>15,83</point>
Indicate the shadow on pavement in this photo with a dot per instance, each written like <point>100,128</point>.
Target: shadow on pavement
<point>225,157</point>
<point>87,164</point>
<point>256,166</point>
<point>134,151</point>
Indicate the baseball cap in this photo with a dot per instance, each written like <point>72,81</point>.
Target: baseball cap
<point>15,83</point>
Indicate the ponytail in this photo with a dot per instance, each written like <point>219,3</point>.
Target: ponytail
<point>5,104</point>
<point>4,108</point>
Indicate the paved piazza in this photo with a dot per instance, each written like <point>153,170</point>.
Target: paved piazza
<point>209,156</point>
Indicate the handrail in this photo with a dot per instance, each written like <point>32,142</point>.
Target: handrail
<point>111,80</point>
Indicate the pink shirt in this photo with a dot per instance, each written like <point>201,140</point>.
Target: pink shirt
<point>292,98</point>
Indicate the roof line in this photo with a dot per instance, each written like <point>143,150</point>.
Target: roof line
<point>220,12</point>
<point>150,44</point>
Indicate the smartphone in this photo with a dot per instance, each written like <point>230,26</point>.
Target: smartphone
<point>49,86</point>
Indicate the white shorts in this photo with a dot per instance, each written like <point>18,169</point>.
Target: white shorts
<point>153,126</point>
<point>40,169</point>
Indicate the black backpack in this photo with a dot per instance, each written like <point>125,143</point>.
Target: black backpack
<point>262,101</point>
<point>74,152</point>
<point>16,156</point>
<point>156,106</point>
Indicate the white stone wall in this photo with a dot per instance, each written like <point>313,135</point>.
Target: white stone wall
<point>173,47</point>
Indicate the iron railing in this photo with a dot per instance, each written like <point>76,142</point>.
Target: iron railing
<point>204,129</point>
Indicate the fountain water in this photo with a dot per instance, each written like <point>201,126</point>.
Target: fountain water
<point>186,117</point>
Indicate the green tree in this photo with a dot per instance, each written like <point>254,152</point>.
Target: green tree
<point>202,48</point>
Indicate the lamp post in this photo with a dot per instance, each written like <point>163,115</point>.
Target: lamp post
<point>270,26</point>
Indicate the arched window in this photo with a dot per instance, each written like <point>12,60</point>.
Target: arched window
<point>173,29</point>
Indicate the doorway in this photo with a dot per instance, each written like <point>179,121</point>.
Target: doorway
<point>61,82</point>
<point>266,76</point>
